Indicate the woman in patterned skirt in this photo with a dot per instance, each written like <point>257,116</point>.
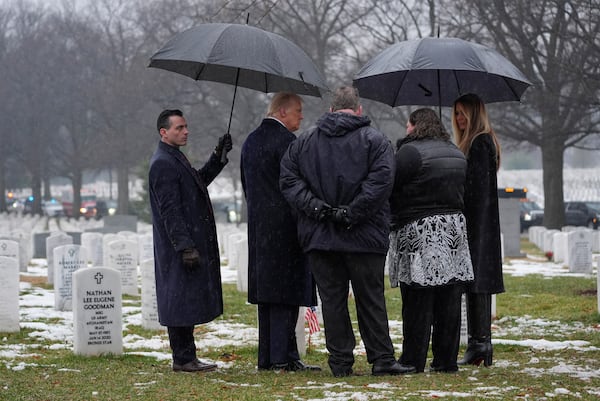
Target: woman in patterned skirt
<point>429,254</point>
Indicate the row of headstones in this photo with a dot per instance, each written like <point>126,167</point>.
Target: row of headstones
<point>571,246</point>
<point>94,293</point>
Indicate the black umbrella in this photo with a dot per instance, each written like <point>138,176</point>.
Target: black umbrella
<point>436,71</point>
<point>241,55</point>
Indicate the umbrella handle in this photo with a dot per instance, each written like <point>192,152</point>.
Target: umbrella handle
<point>237,77</point>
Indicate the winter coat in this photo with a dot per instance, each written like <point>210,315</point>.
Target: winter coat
<point>277,268</point>
<point>429,180</point>
<point>182,217</point>
<point>342,162</point>
<point>482,214</point>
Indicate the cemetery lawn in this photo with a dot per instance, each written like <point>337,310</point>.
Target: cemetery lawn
<point>546,346</point>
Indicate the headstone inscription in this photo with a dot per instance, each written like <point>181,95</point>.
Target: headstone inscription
<point>97,311</point>
<point>67,259</point>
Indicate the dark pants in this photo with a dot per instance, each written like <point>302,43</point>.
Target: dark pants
<point>479,316</point>
<point>182,344</point>
<point>333,273</point>
<point>277,334</point>
<point>422,308</point>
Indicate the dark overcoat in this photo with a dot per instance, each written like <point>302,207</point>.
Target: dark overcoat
<point>182,217</point>
<point>482,214</point>
<point>277,268</point>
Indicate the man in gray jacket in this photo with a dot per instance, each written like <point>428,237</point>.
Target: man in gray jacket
<point>339,178</point>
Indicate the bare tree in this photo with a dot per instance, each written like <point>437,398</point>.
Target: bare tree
<point>555,43</point>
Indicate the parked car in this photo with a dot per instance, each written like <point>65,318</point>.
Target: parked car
<point>106,207</point>
<point>531,215</point>
<point>52,208</point>
<point>582,214</point>
<point>28,205</point>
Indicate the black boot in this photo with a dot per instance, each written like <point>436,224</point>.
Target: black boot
<point>479,321</point>
<point>479,350</point>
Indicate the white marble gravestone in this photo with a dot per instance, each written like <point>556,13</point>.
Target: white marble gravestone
<point>67,259</point>
<point>24,241</point>
<point>242,263</point>
<point>233,249</point>
<point>149,306</point>
<point>10,249</point>
<point>580,251</point>
<point>146,246</point>
<point>9,294</point>
<point>559,248</point>
<point>92,241</point>
<point>55,239</point>
<point>122,255</point>
<point>464,333</point>
<point>97,311</point>
<point>107,239</point>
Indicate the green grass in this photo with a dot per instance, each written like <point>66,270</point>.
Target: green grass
<point>559,309</point>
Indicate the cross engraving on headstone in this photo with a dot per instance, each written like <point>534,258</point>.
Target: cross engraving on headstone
<point>98,278</point>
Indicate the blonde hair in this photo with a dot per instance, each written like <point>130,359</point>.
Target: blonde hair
<point>478,123</point>
<point>282,100</point>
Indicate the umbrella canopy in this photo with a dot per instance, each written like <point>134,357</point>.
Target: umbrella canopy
<point>241,55</point>
<point>436,71</point>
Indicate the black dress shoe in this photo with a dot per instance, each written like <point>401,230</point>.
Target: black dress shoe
<point>298,365</point>
<point>194,366</point>
<point>391,368</point>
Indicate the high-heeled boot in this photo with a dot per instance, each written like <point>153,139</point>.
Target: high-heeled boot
<point>478,350</point>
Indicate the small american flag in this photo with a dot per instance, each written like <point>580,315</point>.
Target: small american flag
<point>313,321</point>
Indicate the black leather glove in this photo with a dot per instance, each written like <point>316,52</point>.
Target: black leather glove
<point>324,213</point>
<point>223,147</point>
<point>191,258</point>
<point>340,215</point>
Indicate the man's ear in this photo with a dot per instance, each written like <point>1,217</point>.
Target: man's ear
<point>359,111</point>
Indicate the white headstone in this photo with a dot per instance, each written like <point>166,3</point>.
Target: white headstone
<point>560,246</point>
<point>464,332</point>
<point>300,331</point>
<point>242,263</point>
<point>67,259</point>
<point>122,255</point>
<point>232,249</point>
<point>146,246</point>
<point>596,241</point>
<point>107,239</point>
<point>54,240</point>
<point>548,240</point>
<point>9,294</point>
<point>92,241</point>
<point>10,249</point>
<point>149,306</point>
<point>580,251</point>
<point>97,308</point>
<point>132,235</point>
<point>24,239</point>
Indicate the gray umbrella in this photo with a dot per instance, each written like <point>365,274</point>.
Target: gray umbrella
<point>241,55</point>
<point>436,71</point>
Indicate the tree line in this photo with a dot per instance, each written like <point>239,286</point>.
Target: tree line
<point>77,95</point>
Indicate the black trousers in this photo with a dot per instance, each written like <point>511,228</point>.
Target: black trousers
<point>426,307</point>
<point>182,344</point>
<point>277,334</point>
<point>333,273</point>
<point>479,316</point>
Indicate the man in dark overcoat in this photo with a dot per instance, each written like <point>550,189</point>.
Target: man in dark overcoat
<point>278,277</point>
<point>187,262</point>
